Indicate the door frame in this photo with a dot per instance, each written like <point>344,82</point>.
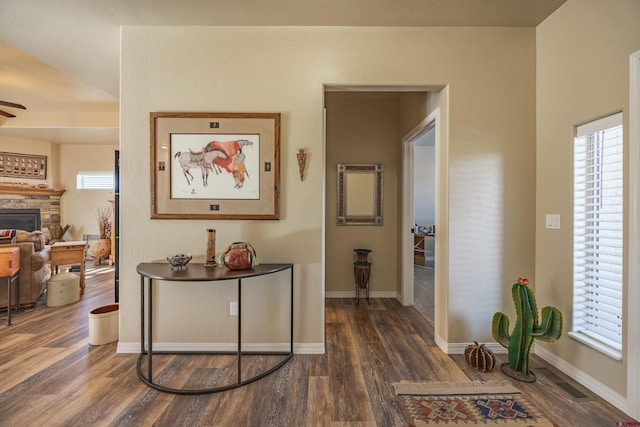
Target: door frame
<point>633,282</point>
<point>407,275</point>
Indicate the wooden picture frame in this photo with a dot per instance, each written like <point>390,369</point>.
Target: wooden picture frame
<point>215,165</point>
<point>16,165</point>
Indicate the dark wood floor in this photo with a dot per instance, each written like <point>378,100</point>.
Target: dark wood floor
<point>51,376</point>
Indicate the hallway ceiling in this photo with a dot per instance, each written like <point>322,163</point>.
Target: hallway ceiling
<point>61,58</point>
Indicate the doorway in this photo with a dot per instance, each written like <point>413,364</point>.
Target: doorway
<point>424,188</point>
<point>431,124</point>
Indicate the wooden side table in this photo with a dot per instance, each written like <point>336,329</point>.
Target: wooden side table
<point>67,253</point>
<point>9,269</point>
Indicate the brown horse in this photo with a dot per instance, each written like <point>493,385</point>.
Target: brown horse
<point>228,148</point>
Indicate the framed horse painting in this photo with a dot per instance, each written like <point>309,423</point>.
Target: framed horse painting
<point>215,165</point>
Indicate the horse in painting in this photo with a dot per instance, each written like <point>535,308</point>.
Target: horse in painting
<point>229,149</point>
<point>200,159</point>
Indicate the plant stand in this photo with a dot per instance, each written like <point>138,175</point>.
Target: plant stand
<point>517,375</point>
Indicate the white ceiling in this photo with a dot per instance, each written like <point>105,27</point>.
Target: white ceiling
<point>60,58</point>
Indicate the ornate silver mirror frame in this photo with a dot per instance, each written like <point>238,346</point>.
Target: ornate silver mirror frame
<point>360,194</point>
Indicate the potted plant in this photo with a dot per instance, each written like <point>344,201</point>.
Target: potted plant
<point>102,248</point>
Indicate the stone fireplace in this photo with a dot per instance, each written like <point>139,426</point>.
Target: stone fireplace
<point>29,199</point>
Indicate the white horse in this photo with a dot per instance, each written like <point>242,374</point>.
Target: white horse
<point>203,160</point>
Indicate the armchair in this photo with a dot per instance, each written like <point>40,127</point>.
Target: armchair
<point>34,267</point>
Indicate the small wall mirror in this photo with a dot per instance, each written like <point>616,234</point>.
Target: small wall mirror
<point>360,194</point>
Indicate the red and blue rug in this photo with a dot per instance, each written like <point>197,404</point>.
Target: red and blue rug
<point>467,404</point>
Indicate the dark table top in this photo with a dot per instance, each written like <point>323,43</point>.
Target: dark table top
<point>197,272</point>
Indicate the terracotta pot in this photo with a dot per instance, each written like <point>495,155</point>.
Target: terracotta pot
<point>101,250</point>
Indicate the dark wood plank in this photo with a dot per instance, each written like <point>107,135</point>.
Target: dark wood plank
<point>49,375</point>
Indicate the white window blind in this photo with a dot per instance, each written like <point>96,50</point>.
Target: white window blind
<point>598,234</point>
<point>94,180</point>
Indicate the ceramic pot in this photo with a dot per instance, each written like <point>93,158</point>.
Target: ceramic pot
<point>101,250</point>
<point>362,255</point>
<point>240,256</point>
<point>362,273</point>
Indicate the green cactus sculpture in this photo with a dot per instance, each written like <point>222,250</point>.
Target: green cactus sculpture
<point>525,330</point>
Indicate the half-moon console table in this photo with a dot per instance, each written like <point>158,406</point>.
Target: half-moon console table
<point>200,273</point>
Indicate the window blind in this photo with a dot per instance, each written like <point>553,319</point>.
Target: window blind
<point>94,180</point>
<point>597,231</point>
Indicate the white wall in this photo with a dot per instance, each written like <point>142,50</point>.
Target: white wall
<point>424,178</point>
<point>491,120</point>
<point>424,195</point>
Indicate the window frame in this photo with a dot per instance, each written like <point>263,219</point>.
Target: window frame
<point>581,272</point>
<point>84,178</point>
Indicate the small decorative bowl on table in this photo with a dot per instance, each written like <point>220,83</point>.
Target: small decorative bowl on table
<point>179,262</point>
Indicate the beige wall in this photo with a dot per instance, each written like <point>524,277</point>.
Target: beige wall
<point>79,207</point>
<point>491,78</point>
<point>12,144</point>
<point>582,73</point>
<point>362,128</point>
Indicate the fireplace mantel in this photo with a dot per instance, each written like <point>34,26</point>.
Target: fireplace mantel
<point>47,200</point>
<point>30,191</point>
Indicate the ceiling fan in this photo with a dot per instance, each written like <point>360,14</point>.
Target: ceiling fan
<point>12,105</point>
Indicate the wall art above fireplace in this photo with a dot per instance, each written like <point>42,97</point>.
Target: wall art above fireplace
<point>17,165</point>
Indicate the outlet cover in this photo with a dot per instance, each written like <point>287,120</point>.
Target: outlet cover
<point>233,308</point>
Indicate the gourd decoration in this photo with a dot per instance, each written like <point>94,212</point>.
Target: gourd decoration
<point>239,256</point>
<point>526,329</point>
<point>479,357</point>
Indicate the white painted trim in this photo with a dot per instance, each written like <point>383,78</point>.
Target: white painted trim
<point>441,343</point>
<point>323,255</point>
<point>298,348</point>
<point>580,376</point>
<point>351,294</point>
<point>313,348</point>
<point>633,259</point>
<point>406,277</point>
<point>407,274</point>
<point>585,339</point>
<point>432,120</point>
<point>458,348</point>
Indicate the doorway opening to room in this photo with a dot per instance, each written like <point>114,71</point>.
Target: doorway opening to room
<point>377,126</point>
<point>424,220</point>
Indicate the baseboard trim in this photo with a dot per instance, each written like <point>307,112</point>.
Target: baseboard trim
<point>298,348</point>
<point>351,294</point>
<point>583,378</point>
<point>458,348</point>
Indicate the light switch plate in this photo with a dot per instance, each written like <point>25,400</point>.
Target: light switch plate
<point>553,221</point>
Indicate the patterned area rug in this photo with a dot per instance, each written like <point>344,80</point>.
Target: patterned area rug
<point>467,404</point>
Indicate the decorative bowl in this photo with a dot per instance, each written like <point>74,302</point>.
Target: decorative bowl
<point>179,262</point>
